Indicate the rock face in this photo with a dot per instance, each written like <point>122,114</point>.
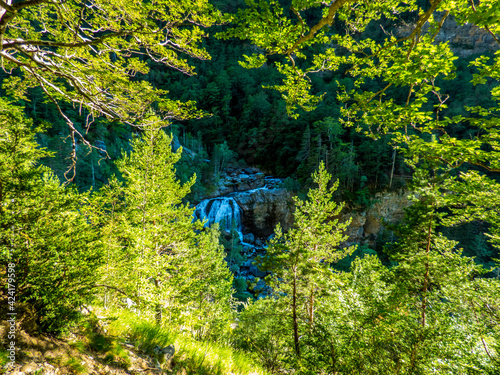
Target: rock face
<point>464,40</point>
<point>252,213</point>
<point>255,213</point>
<point>254,205</point>
<point>366,225</point>
<point>262,209</point>
<point>235,180</point>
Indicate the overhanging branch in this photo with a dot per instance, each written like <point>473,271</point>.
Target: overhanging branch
<point>6,6</point>
<point>328,20</point>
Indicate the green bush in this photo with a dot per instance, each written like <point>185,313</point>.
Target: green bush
<point>48,242</point>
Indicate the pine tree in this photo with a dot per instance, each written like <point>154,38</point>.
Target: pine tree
<point>46,236</point>
<point>169,264</point>
<point>431,283</point>
<point>300,259</point>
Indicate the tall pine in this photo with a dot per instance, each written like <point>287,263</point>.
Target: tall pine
<point>168,263</point>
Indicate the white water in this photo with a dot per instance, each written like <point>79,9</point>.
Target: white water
<point>222,210</point>
<point>225,211</point>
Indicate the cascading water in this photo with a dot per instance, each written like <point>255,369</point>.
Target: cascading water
<point>229,211</point>
<point>222,210</point>
<point>226,211</point>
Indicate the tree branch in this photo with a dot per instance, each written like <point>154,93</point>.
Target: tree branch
<point>485,26</point>
<point>6,6</point>
<point>111,287</point>
<point>73,131</point>
<point>29,3</point>
<point>328,20</point>
<point>49,43</point>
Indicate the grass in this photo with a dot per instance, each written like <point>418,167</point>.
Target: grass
<point>191,356</point>
<point>78,345</point>
<point>4,357</point>
<point>76,366</point>
<point>111,350</point>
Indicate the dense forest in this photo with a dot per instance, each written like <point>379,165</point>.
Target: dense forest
<point>188,177</point>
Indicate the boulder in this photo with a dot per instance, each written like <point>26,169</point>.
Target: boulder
<point>163,355</point>
<point>248,238</point>
<point>256,272</point>
<point>29,368</point>
<point>247,249</point>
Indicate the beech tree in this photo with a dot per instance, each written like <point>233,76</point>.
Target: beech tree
<point>395,78</point>
<point>396,92</point>
<point>92,54</point>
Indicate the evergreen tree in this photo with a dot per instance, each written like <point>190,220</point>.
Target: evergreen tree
<point>46,236</point>
<point>167,262</point>
<point>300,259</point>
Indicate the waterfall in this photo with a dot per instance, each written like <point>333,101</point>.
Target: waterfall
<point>222,210</point>
<point>226,211</point>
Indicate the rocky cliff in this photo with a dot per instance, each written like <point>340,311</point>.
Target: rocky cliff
<point>233,180</point>
<point>257,211</point>
<point>263,209</point>
<point>366,225</point>
<point>464,40</point>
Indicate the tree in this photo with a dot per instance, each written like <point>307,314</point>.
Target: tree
<point>429,279</point>
<point>300,259</point>
<point>92,54</point>
<point>159,256</point>
<point>397,80</point>
<point>222,155</point>
<point>45,231</point>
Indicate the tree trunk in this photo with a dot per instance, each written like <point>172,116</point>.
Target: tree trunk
<point>392,170</point>
<point>311,307</point>
<point>426,275</point>
<point>294,315</point>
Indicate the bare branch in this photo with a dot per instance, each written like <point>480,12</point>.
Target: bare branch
<point>83,43</point>
<point>73,132</point>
